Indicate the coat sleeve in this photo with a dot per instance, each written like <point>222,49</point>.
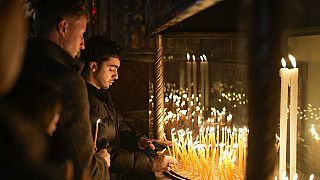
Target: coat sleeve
<point>76,128</point>
<point>126,161</point>
<point>128,137</point>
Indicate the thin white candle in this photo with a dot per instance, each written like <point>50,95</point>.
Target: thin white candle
<point>96,134</point>
<point>245,146</point>
<point>189,79</point>
<point>181,75</point>
<point>240,156</point>
<point>293,116</point>
<point>194,75</point>
<point>202,80</point>
<point>207,84</point>
<point>285,77</point>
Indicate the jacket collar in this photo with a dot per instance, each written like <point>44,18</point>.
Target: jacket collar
<point>101,94</point>
<point>55,52</point>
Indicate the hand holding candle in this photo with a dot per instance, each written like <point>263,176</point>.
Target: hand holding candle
<point>96,134</point>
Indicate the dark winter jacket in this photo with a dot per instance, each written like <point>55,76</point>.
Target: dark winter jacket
<point>73,139</point>
<point>115,135</point>
<point>23,147</point>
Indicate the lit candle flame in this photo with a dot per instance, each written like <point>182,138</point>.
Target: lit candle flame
<point>292,60</point>
<point>277,137</point>
<point>283,62</point>
<point>188,56</point>
<point>98,121</point>
<point>173,129</point>
<point>204,57</point>
<point>201,58</point>
<point>311,177</point>
<point>199,146</point>
<point>229,117</point>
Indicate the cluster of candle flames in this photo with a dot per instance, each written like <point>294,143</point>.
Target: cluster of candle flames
<point>217,150</point>
<point>205,141</point>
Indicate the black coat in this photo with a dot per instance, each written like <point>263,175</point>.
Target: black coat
<point>73,139</point>
<point>22,151</point>
<point>115,135</point>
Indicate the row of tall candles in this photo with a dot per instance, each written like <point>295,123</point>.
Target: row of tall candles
<point>192,71</point>
<point>217,152</point>
<point>289,80</point>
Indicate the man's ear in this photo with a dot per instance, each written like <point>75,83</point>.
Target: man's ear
<point>62,27</point>
<point>93,66</point>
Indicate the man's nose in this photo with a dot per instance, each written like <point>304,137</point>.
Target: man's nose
<point>82,45</point>
<point>116,75</point>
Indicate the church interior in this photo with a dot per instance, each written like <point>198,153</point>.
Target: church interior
<point>231,83</point>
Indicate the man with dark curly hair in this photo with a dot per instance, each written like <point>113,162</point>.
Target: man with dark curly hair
<point>127,147</point>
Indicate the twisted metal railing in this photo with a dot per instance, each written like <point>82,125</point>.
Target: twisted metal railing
<point>159,89</point>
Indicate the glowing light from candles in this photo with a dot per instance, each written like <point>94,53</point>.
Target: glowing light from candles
<point>285,78</point>
<point>204,57</point>
<point>283,62</point>
<point>294,72</point>
<point>178,109</point>
<point>292,60</point>
<point>314,133</point>
<point>311,177</point>
<point>289,78</point>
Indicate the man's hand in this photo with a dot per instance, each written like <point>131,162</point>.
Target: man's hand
<point>147,143</point>
<point>163,163</point>
<point>105,154</point>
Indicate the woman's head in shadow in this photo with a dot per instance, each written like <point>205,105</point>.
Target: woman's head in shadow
<point>40,101</point>
<point>12,38</point>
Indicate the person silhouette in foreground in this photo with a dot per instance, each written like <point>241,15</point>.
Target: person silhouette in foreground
<point>52,56</point>
<point>23,146</point>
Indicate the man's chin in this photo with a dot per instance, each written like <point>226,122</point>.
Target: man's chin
<point>106,87</point>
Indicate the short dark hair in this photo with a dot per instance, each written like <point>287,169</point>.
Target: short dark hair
<point>99,49</point>
<point>50,12</point>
